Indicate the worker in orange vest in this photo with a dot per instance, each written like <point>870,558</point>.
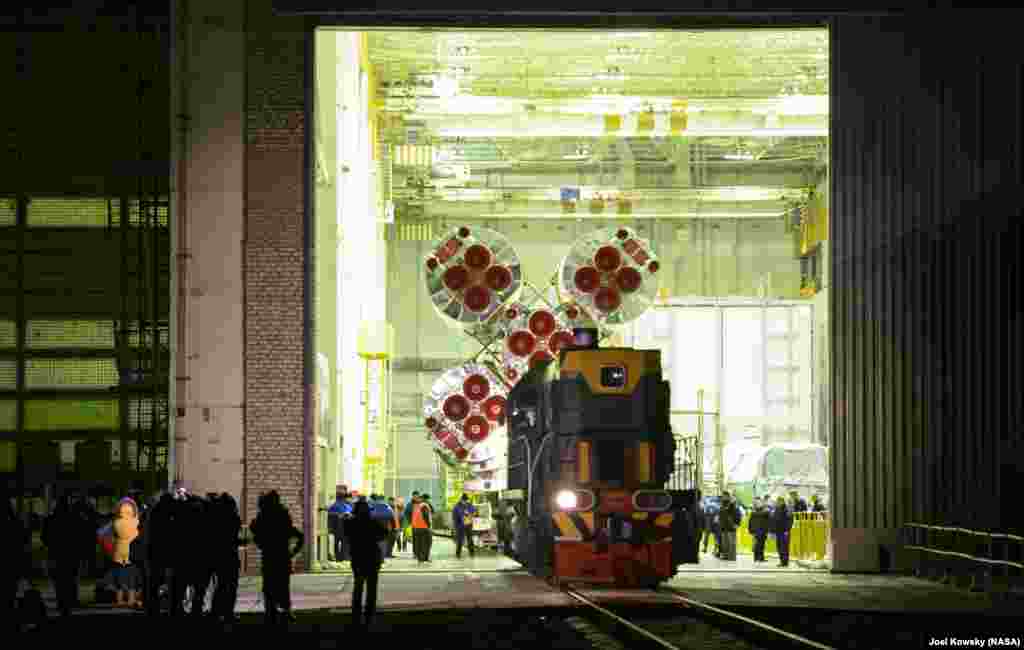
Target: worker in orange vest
<point>421,534</point>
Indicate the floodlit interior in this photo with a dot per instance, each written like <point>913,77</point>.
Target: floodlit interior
<point>712,147</point>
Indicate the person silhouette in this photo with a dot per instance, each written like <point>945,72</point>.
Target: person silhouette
<point>62,542</point>
<point>273,532</point>
<point>364,536</point>
<point>228,527</point>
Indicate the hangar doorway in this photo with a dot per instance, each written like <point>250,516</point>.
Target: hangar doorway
<point>710,145</point>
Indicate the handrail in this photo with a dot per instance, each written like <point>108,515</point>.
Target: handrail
<point>965,556</point>
<point>689,412</point>
<point>965,530</point>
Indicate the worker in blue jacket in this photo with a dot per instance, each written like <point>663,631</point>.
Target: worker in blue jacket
<point>407,513</point>
<point>339,511</point>
<point>382,513</point>
<point>462,525</point>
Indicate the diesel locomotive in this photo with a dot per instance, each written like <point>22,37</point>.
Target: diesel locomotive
<point>590,452</point>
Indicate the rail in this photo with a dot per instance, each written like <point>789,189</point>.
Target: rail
<point>633,627</point>
<point>974,559</point>
<point>744,620</point>
<point>708,611</point>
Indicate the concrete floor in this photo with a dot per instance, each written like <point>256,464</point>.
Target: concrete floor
<point>491,581</point>
<point>442,559</point>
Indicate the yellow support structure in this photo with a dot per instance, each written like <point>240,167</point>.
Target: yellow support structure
<point>678,117</point>
<point>583,461</point>
<point>644,462</point>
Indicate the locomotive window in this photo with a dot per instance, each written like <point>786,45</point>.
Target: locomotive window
<point>613,376</point>
<point>610,465</point>
<point>527,398</point>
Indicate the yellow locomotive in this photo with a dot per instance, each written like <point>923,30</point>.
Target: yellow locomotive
<point>590,451</point>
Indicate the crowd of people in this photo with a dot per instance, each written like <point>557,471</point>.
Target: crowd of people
<point>404,523</point>
<point>175,553</point>
<point>720,518</point>
<point>368,531</point>
<point>171,553</point>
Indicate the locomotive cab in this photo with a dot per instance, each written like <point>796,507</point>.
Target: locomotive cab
<point>591,449</point>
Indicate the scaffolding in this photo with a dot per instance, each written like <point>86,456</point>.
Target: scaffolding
<point>689,460</point>
<point>84,360</point>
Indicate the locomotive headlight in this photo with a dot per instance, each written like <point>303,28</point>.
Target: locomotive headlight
<point>566,500</point>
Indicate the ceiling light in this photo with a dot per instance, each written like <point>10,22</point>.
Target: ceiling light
<point>613,73</point>
<point>738,156</point>
<point>797,104</point>
<point>446,87</point>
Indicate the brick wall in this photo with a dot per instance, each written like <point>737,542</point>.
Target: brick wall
<point>273,261</point>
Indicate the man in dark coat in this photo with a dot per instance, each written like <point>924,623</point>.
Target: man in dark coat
<point>462,525</point>
<point>729,519</point>
<point>227,527</point>
<point>758,526</point>
<point>200,563</point>
<point>781,524</point>
<point>159,552</point>
<point>797,502</point>
<point>63,543</point>
<point>180,542</point>
<point>14,545</point>
<point>273,532</point>
<point>712,529</point>
<point>364,537</point>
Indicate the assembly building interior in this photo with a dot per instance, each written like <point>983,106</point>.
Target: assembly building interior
<point>711,146</point>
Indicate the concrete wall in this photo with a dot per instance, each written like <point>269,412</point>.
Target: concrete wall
<point>210,435</point>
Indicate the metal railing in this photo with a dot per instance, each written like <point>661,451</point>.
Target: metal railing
<point>974,559</point>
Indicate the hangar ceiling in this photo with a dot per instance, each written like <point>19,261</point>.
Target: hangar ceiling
<point>729,123</point>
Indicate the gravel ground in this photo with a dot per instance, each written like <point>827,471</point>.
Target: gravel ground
<point>875,630</point>
<point>572,629</point>
<point>838,629</point>
<point>435,630</point>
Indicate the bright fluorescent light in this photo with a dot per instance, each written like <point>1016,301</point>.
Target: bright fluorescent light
<point>738,156</point>
<point>598,131</point>
<point>804,105</point>
<point>566,500</point>
<point>446,87</point>
<point>583,213</point>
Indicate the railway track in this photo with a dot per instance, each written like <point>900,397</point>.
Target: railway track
<point>686,624</point>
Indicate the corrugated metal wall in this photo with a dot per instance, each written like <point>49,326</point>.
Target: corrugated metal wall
<point>926,292</point>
